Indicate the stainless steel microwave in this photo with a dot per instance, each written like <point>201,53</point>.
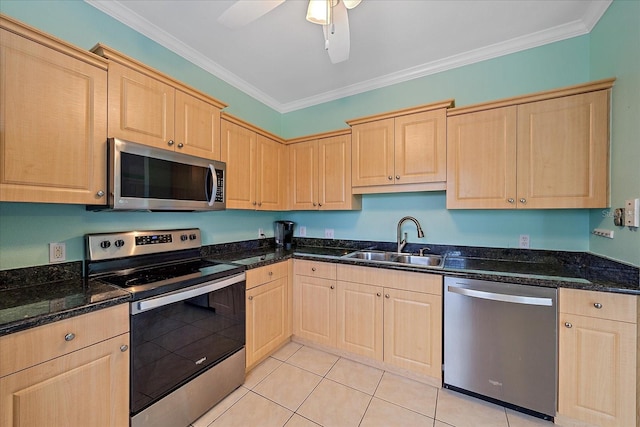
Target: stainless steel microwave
<point>141,177</point>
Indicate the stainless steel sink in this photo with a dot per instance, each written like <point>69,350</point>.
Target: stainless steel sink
<point>432,261</point>
<point>372,255</point>
<point>427,260</point>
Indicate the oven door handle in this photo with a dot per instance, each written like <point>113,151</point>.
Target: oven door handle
<point>183,294</point>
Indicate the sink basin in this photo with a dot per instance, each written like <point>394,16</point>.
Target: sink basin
<point>372,255</point>
<point>429,261</point>
<point>433,261</point>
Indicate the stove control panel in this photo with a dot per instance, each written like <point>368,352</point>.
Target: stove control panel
<point>116,245</point>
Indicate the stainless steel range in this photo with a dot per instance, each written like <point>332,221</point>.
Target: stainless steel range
<point>187,321</point>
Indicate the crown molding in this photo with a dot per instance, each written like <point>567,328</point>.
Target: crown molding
<point>576,28</point>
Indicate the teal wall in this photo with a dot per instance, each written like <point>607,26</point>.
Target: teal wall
<point>25,229</point>
<point>615,51</point>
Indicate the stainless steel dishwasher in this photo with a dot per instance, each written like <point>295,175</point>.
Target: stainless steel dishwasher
<point>500,343</point>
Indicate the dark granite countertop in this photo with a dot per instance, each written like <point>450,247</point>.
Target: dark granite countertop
<point>35,296</point>
<point>555,269</point>
<point>37,301</point>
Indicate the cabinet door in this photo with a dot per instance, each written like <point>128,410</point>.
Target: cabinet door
<point>373,153</point>
<point>55,393</point>
<point>334,174</point>
<point>267,319</point>
<point>314,309</point>
<point>141,108</point>
<point>272,165</point>
<point>238,151</point>
<point>420,147</point>
<point>304,175</point>
<point>413,331</point>
<point>481,160</point>
<point>53,113</point>
<point>197,127</point>
<point>563,152</point>
<point>597,370</point>
<point>359,323</point>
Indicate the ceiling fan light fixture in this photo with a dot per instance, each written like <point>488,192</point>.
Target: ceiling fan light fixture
<point>317,11</point>
<point>350,4</point>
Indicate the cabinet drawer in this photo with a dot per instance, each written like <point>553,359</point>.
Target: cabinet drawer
<point>27,348</point>
<point>404,280</point>
<point>258,276</point>
<point>602,305</point>
<point>315,269</point>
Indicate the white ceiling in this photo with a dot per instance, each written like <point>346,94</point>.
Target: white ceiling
<point>280,60</point>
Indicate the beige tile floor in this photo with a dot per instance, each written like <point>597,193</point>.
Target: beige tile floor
<point>303,387</point>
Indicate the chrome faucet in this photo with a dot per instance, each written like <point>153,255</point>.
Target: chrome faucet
<point>403,242</point>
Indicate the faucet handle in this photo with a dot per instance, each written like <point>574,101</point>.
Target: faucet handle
<point>422,250</point>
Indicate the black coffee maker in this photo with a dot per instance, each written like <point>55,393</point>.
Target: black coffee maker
<point>283,232</point>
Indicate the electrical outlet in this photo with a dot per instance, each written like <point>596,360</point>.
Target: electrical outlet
<point>261,233</point>
<point>328,233</point>
<point>57,252</point>
<point>524,241</point>
<point>302,231</point>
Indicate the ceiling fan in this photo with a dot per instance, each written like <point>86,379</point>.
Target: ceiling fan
<point>331,14</point>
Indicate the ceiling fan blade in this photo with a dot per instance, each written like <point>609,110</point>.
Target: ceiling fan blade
<point>337,35</point>
<point>242,12</point>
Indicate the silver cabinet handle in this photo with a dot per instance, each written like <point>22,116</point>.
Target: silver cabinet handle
<point>100,193</point>
<point>70,336</point>
<point>387,296</point>
<point>251,298</point>
<point>313,269</point>
<point>180,145</point>
<point>597,305</point>
<point>378,294</point>
<point>523,200</point>
<point>568,325</point>
<point>332,287</point>
<point>390,178</point>
<point>170,142</point>
<point>254,203</point>
<point>397,176</point>
<point>320,204</point>
<point>511,200</point>
<point>124,348</point>
<point>314,204</point>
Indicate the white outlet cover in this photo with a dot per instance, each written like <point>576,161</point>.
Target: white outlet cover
<point>57,252</point>
<point>302,231</point>
<point>524,241</point>
<point>328,233</point>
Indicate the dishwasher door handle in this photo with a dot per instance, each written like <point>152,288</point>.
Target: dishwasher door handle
<point>516,299</point>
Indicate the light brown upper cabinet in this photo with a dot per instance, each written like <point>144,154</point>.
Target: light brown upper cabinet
<point>401,150</point>
<point>150,108</point>
<point>257,167</point>
<point>320,170</point>
<point>53,111</point>
<point>541,151</point>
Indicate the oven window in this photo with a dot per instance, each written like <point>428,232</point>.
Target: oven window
<point>176,342</point>
<point>146,177</point>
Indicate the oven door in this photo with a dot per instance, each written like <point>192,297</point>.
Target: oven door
<point>177,336</point>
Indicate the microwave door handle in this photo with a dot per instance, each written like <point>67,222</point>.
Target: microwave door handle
<point>211,198</point>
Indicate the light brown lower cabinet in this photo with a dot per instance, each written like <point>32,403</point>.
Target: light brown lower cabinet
<point>391,316</point>
<point>88,386</point>
<point>388,316</point>
<point>598,359</point>
<point>314,301</point>
<point>268,311</point>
